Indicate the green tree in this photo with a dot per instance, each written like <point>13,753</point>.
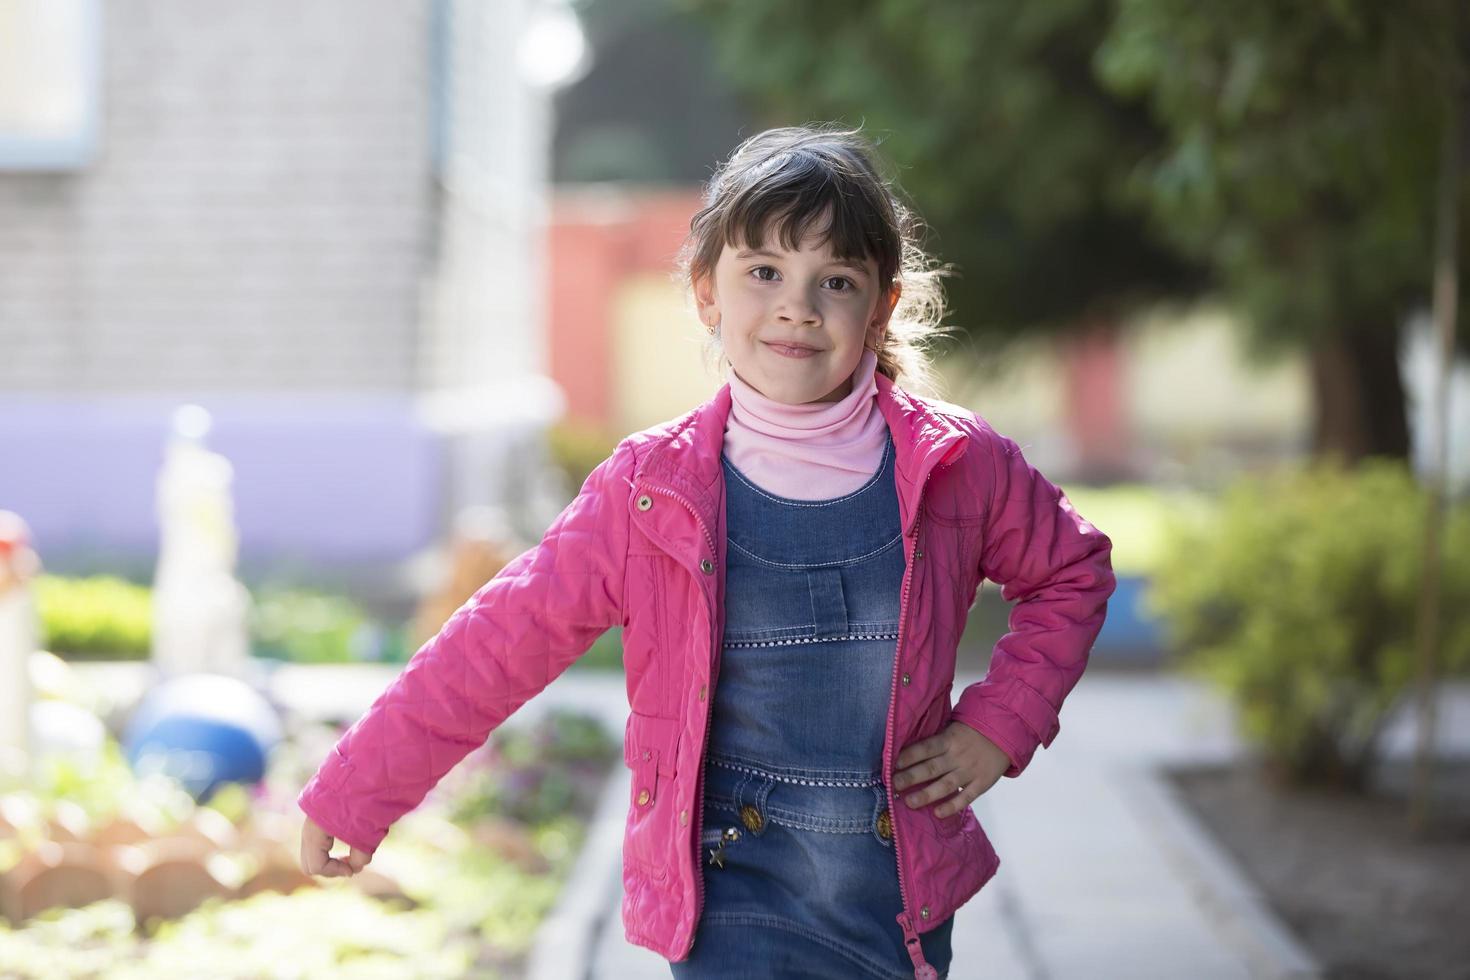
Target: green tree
<point>1300,166</point>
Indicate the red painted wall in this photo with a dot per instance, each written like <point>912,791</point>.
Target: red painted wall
<point>600,237</point>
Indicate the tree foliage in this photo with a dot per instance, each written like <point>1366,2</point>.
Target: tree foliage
<point>1001,133</point>
<point>1303,142</point>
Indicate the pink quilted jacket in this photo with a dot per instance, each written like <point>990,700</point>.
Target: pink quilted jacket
<point>643,545</point>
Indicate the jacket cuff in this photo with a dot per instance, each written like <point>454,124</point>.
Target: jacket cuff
<point>1014,716</point>
<point>317,799</point>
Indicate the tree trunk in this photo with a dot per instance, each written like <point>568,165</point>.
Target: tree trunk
<point>1358,396</point>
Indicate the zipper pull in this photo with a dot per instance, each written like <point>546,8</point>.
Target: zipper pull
<point>922,968</point>
<point>717,854</point>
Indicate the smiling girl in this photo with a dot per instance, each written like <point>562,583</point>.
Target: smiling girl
<point>792,562</point>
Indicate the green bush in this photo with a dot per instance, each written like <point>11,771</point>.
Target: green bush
<point>1298,595</point>
<point>107,617</point>
<point>605,653</point>
<point>1133,516</point>
<point>305,626</point>
<point>100,616</point>
<point>534,775</point>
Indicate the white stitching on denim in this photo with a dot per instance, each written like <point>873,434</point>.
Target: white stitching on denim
<point>809,639</point>
<point>792,779</point>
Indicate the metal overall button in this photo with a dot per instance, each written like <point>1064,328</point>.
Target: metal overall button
<point>752,818</point>
<point>885,825</point>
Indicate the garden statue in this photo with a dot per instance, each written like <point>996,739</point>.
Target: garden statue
<point>18,566</point>
<point>199,607</point>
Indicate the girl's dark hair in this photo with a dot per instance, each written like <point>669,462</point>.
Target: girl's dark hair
<point>788,180</point>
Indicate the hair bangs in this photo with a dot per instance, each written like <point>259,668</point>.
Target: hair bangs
<point>799,193</point>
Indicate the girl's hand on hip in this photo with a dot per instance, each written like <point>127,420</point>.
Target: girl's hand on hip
<point>316,846</point>
<point>961,763</point>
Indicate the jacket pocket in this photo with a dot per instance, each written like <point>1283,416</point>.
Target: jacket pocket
<point>650,751</point>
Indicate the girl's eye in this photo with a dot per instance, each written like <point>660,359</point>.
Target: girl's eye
<point>846,283</point>
<point>758,270</point>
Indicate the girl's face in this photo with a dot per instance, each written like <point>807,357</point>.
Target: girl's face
<point>794,323</point>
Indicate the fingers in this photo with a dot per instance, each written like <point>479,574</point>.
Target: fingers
<point>927,748</point>
<point>357,860</point>
<point>316,859</point>
<point>314,847</point>
<point>944,787</point>
<point>922,761</point>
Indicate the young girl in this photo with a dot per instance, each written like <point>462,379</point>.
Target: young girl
<point>792,563</point>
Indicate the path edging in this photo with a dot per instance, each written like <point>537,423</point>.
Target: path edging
<point>1215,879</point>
<point>565,946</point>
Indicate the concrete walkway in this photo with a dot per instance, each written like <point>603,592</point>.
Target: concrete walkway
<point>1104,872</point>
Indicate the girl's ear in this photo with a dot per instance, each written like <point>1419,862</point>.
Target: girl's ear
<point>886,305</point>
<point>706,301</point>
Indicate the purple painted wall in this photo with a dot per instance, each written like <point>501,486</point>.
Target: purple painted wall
<point>319,479</point>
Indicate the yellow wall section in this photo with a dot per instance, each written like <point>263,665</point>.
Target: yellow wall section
<point>658,370</point>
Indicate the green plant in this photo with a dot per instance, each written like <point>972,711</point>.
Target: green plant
<point>535,774</point>
<point>103,785</point>
<point>1134,516</point>
<point>334,931</point>
<point>606,652</point>
<point>307,626</point>
<point>1298,595</point>
<point>94,617</point>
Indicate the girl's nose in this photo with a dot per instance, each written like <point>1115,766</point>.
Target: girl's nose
<point>797,307</point>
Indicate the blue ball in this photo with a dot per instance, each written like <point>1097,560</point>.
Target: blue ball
<point>203,730</point>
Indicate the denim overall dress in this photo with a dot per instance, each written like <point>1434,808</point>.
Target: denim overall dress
<point>800,872</point>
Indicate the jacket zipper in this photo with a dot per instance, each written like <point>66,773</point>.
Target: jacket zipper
<point>709,699</point>
<point>923,970</point>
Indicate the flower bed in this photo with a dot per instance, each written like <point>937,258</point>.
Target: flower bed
<point>175,889</point>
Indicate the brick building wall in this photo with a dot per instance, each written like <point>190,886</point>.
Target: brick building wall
<point>257,216</point>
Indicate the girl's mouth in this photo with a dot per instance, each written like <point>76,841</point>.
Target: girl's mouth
<point>787,351</point>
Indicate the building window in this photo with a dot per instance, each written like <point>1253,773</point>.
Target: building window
<point>50,75</point>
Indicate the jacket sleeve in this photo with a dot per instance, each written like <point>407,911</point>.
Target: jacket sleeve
<point>1056,569</point>
<point>515,635</point>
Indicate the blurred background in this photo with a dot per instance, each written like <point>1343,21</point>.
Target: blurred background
<point>314,315</point>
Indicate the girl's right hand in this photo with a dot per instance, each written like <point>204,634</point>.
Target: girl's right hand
<point>316,859</point>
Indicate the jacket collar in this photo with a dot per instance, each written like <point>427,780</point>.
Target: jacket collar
<point>687,458</point>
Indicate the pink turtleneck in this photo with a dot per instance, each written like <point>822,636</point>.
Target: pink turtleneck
<point>814,451</point>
